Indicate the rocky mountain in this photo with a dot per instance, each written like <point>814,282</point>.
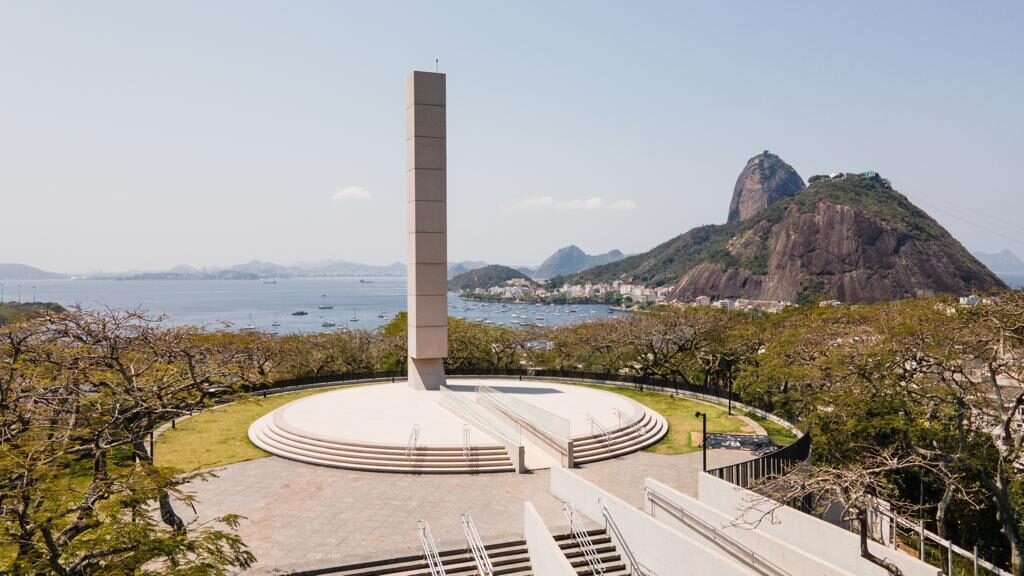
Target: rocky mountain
<point>486,277</point>
<point>1003,261</point>
<point>572,259</point>
<point>851,238</point>
<point>456,268</point>
<point>764,180</point>
<point>23,272</point>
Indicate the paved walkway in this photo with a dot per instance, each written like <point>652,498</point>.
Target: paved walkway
<point>302,516</point>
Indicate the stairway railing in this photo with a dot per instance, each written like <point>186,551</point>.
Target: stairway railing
<point>604,432</point>
<point>634,564</point>
<point>631,422</point>
<point>727,543</point>
<point>476,547</point>
<point>579,533</point>
<point>429,548</point>
<point>414,438</point>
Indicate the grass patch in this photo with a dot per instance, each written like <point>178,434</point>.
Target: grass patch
<point>681,420</point>
<point>777,432</point>
<point>220,436</point>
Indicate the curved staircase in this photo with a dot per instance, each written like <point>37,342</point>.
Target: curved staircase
<point>646,428</point>
<point>275,435</point>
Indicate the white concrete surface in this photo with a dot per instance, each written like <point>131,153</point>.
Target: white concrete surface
<point>660,548</point>
<point>546,557</point>
<point>794,561</point>
<point>383,414</point>
<point>817,537</point>
<point>426,217</point>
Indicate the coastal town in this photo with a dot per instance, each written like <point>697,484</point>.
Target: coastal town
<point>617,293</point>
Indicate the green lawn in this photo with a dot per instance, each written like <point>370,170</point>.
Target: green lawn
<point>681,420</point>
<point>777,432</point>
<point>219,437</point>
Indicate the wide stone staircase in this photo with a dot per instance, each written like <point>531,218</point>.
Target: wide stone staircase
<point>645,429</point>
<point>508,559</point>
<point>272,433</point>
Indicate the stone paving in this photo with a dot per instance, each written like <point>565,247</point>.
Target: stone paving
<point>302,516</point>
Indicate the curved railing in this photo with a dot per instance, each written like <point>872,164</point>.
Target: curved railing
<point>774,464</point>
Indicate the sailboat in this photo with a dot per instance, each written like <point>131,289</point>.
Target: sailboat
<point>381,315</point>
<point>325,305</point>
<point>250,327</point>
<point>355,317</point>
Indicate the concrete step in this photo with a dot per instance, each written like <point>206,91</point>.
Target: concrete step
<point>412,464</point>
<point>344,450</point>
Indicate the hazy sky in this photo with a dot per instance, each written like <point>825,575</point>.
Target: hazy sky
<point>141,135</point>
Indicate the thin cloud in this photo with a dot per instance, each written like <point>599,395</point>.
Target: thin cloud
<point>548,203</point>
<point>351,193</point>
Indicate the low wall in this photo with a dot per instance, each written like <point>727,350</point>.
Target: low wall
<point>546,557</point>
<point>816,537</point>
<point>657,546</point>
<point>793,560</point>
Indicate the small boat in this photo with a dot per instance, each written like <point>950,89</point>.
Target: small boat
<point>300,313</point>
<point>328,324</point>
<point>381,315</point>
<point>355,317</point>
<point>271,281</point>
<point>326,307</point>
<point>538,317</point>
<point>275,324</point>
<point>250,327</point>
<point>365,281</point>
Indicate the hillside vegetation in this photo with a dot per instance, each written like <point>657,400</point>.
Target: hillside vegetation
<point>486,277</point>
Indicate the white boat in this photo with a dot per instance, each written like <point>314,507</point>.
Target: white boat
<point>250,327</point>
<point>355,317</point>
<point>328,324</point>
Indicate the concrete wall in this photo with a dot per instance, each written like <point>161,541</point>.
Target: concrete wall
<point>546,558</point>
<point>791,559</point>
<point>839,547</point>
<point>657,546</point>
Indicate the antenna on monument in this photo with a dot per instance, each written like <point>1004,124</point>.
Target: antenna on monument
<point>436,64</point>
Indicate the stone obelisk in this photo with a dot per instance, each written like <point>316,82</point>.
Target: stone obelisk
<point>426,182</point>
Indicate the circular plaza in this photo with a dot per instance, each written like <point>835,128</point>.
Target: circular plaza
<point>470,425</point>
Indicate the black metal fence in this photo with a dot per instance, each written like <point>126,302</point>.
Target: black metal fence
<point>636,381</point>
<point>773,464</point>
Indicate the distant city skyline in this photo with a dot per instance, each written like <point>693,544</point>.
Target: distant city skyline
<point>146,136</point>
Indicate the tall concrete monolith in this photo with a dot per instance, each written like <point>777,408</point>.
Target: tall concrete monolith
<point>426,175</point>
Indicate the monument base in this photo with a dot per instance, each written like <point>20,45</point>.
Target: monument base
<point>426,373</point>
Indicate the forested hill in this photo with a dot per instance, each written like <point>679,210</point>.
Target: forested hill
<point>851,237</point>
<point>486,277</point>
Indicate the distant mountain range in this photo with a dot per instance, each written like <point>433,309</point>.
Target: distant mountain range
<point>257,269</point>
<point>568,260</point>
<point>1001,262</point>
<point>23,272</point>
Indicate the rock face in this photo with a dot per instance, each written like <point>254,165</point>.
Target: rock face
<point>850,238</point>
<point>853,239</point>
<point>572,259</point>
<point>764,180</point>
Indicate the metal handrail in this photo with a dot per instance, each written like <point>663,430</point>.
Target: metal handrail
<point>634,564</point>
<point>465,442</point>
<point>631,422</point>
<point>476,547</point>
<point>429,548</point>
<point>583,539</point>
<point>604,432</point>
<point>727,543</point>
<point>414,438</point>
